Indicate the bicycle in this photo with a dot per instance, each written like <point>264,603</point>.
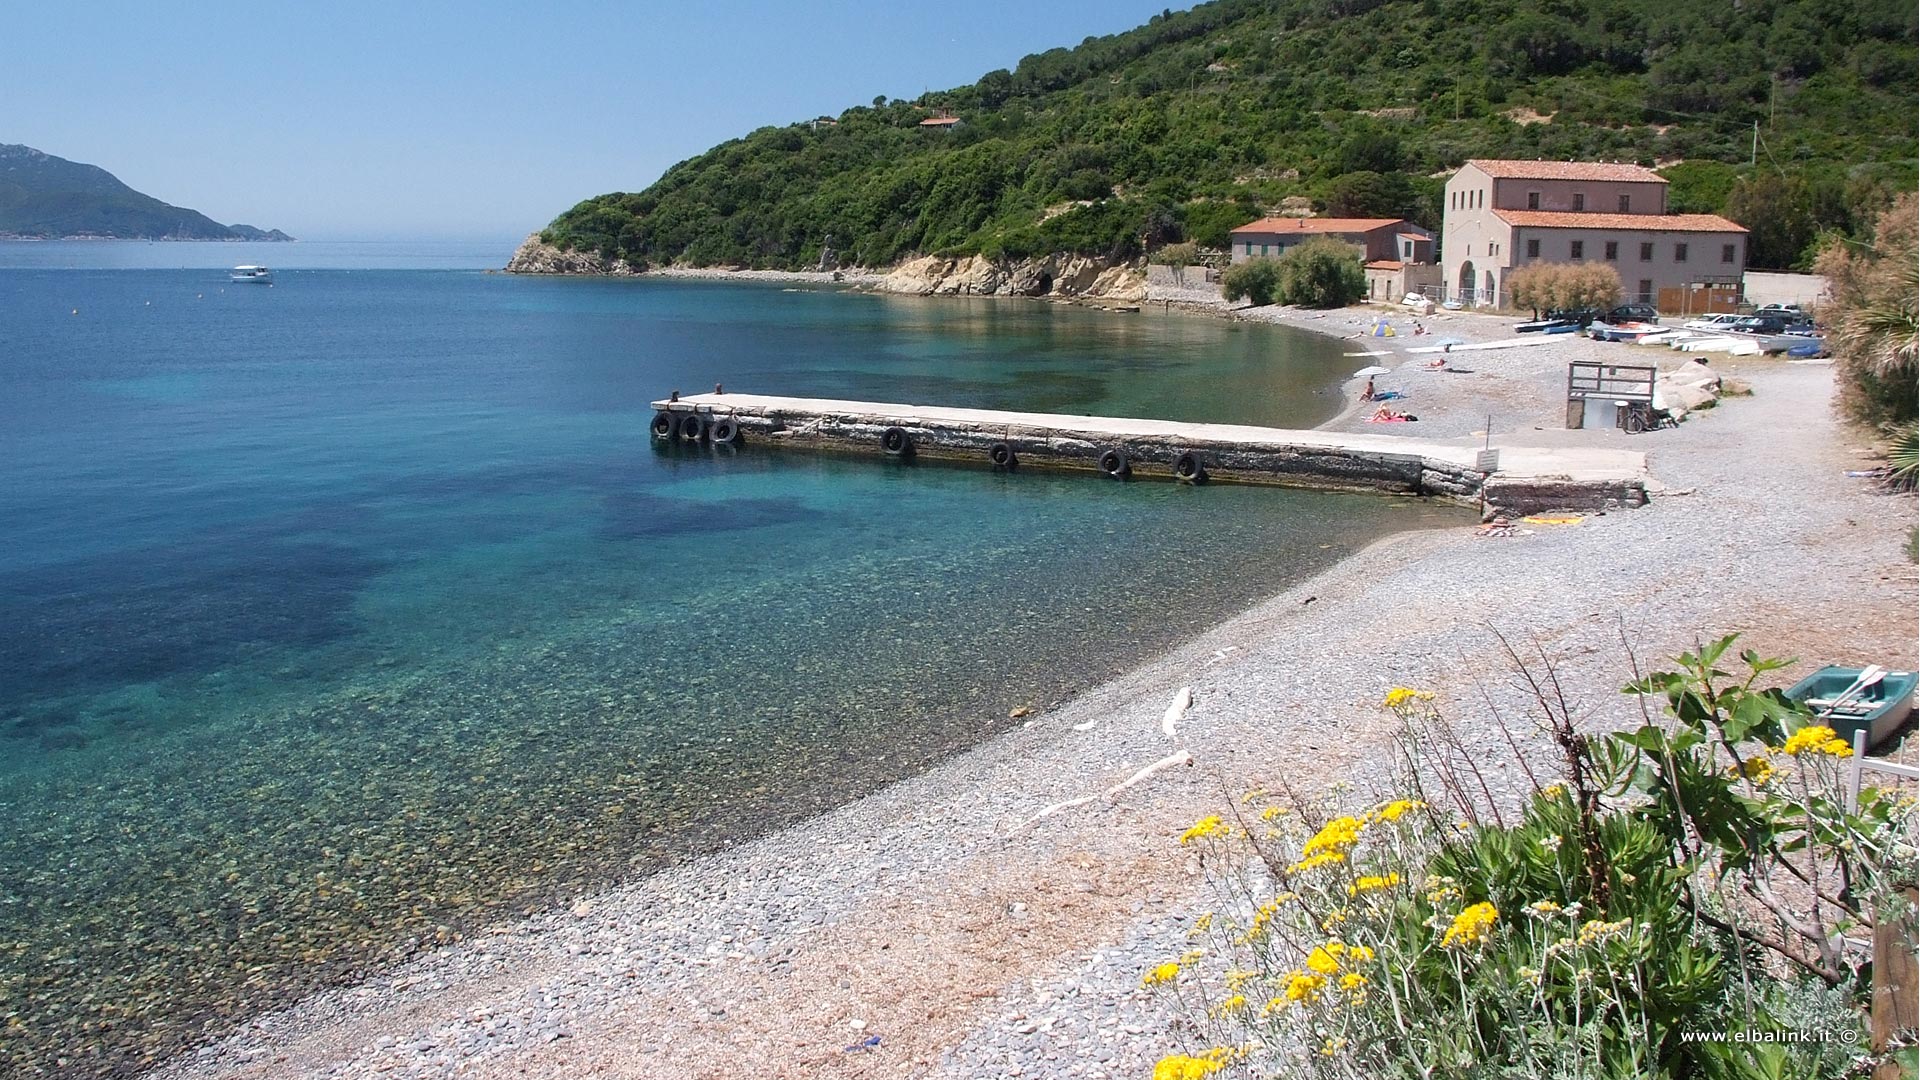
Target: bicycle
<point>1640,416</point>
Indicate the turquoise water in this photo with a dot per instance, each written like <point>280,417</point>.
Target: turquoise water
<point>337,616</point>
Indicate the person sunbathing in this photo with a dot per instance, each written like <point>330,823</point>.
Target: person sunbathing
<point>1386,415</point>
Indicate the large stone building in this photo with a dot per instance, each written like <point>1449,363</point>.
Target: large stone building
<point>1505,215</point>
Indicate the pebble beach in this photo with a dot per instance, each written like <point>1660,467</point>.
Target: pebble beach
<point>957,924</point>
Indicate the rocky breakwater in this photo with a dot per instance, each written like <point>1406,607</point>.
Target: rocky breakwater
<point>536,256</point>
<point>1047,275</point>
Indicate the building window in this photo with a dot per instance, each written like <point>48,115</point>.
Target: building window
<point>1726,253</point>
<point>1249,249</point>
<point>1646,252</point>
<point>1613,251</point>
<point>1579,202</point>
<point>1263,249</point>
<point>1533,249</point>
<point>1406,250</point>
<point>1646,290</point>
<point>1578,249</point>
<point>1626,204</point>
<point>1533,200</point>
<point>1679,253</point>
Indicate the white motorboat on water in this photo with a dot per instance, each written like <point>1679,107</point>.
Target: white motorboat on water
<point>257,275</point>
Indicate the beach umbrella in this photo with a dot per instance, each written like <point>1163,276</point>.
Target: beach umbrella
<point>1370,372</point>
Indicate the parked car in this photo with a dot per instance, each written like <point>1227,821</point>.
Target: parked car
<point>1641,313</point>
<point>1760,324</point>
<point>1789,312</point>
<point>1721,321</point>
<point>1582,316</point>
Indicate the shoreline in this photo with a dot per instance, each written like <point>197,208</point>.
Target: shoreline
<point>929,914</point>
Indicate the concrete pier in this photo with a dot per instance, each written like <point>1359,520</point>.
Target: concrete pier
<point>1528,479</point>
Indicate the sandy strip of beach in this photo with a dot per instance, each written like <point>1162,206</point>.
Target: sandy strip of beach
<point>937,929</point>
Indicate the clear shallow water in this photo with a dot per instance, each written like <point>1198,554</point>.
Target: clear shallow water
<point>339,614</point>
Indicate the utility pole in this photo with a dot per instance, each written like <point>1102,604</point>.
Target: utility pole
<point>1753,155</point>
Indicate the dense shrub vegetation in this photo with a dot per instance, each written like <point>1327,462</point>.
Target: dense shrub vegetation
<point>1202,120</point>
<point>1565,286</point>
<point>1875,315</point>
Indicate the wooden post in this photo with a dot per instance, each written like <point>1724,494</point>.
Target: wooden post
<point>1896,981</point>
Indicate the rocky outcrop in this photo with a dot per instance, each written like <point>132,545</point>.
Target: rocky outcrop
<point>1048,275</point>
<point>535,256</point>
<point>932,275</point>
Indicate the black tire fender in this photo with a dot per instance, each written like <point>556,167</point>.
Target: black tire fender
<point>1113,462</point>
<point>661,425</point>
<point>1003,457</point>
<point>896,441</point>
<point>1187,467</point>
<point>693,427</point>
<point>725,431</point>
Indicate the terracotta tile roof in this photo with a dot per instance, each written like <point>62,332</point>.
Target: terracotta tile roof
<point>1383,264</point>
<point>1415,236</point>
<point>1316,225</point>
<point>1556,219</point>
<point>940,121</point>
<point>1564,170</point>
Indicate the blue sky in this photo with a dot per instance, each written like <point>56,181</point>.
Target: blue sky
<point>349,120</point>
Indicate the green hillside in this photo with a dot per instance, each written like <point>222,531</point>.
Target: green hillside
<point>44,197</point>
<point>1203,119</point>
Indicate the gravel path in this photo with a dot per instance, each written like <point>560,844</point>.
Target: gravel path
<point>938,918</point>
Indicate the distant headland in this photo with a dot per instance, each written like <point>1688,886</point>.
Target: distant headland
<point>43,197</point>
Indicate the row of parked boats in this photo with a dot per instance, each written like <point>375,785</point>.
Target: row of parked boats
<point>1717,334</point>
<point>1785,330</point>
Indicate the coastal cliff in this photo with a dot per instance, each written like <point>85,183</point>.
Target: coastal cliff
<point>1048,275</point>
<point>1061,274</point>
<point>536,256</point>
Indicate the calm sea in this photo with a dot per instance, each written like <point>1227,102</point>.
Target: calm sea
<point>340,614</point>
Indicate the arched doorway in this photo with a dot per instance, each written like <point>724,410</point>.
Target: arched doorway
<point>1490,296</point>
<point>1464,293</point>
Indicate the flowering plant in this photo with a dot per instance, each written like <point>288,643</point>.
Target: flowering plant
<point>1585,935</point>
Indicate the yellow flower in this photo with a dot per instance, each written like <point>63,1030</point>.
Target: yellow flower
<point>1340,835</point>
<point>1542,908</point>
<point>1325,959</point>
<point>1594,930</point>
<point>1472,926</point>
<point>1372,883</point>
<point>1332,1047</point>
<point>1230,1006</point>
<point>1400,695</point>
<point>1210,825</point>
<point>1393,810</point>
<point>1817,739</point>
<point>1325,858</point>
<point>1359,954</point>
<point>1305,988</point>
<point>1182,1067</point>
<point>1271,812</point>
<point>1757,769</point>
<point>1553,791</point>
<point>1352,980</point>
<point>1165,973</point>
<point>1239,977</point>
<point>1201,924</point>
<point>1334,918</point>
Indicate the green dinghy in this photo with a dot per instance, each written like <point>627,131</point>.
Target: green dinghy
<point>1835,699</point>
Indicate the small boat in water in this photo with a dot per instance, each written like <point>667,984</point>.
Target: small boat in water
<point>258,275</point>
<point>1835,697</point>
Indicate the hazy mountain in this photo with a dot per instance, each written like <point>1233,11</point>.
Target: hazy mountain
<point>46,197</point>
